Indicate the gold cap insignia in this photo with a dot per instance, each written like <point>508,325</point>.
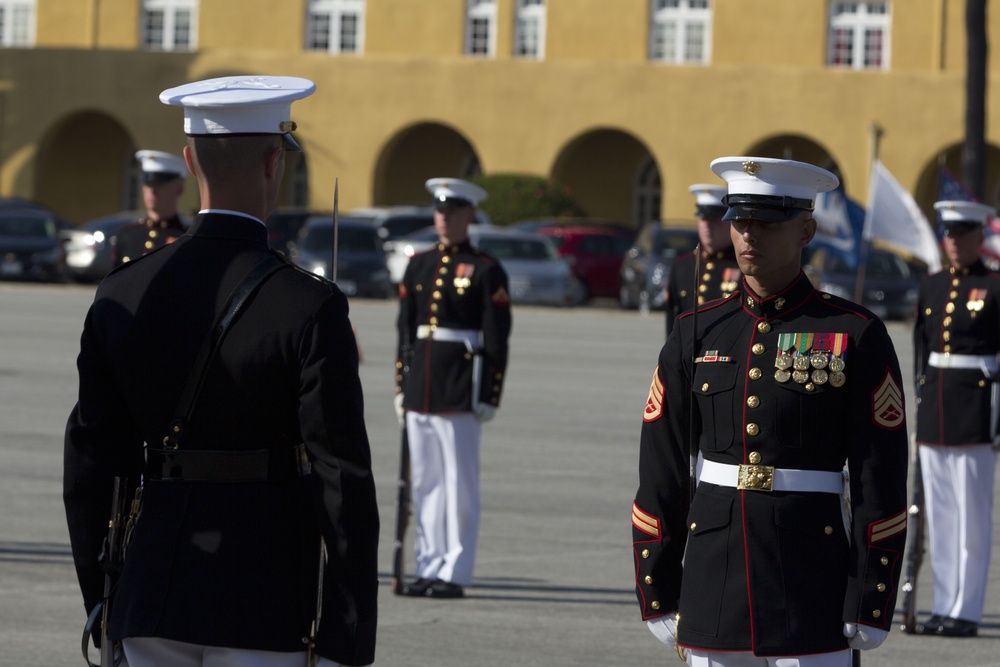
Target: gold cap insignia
<point>287,126</point>
<point>751,168</point>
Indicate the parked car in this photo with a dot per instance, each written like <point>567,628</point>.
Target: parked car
<point>535,224</point>
<point>595,253</point>
<point>89,247</point>
<point>394,222</point>
<point>536,271</point>
<point>361,269</point>
<point>283,226</point>
<point>398,251</point>
<point>891,284</point>
<point>31,242</point>
<point>646,266</point>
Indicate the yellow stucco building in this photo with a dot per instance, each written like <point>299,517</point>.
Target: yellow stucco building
<point>624,102</point>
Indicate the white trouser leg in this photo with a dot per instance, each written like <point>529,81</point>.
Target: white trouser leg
<point>460,437</point>
<point>426,471</point>
<point>958,499</point>
<point>748,659</point>
<point>158,652</point>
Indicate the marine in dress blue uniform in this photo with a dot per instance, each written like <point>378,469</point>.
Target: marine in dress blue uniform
<point>956,339</point>
<point>718,273</point>
<point>224,560</point>
<point>783,385</point>
<point>454,323</point>
<point>162,175</point>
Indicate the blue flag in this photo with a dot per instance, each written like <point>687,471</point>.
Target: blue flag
<point>839,223</point>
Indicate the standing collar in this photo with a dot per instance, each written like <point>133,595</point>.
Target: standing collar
<point>777,304</point>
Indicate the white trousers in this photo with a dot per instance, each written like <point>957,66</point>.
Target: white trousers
<point>444,477</point>
<point>958,506</point>
<point>748,659</point>
<point>158,652</point>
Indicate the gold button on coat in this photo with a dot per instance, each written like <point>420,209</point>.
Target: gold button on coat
<point>880,588</point>
<point>755,373</point>
<point>763,327</point>
<point>828,530</point>
<point>754,458</point>
<point>752,429</point>
<point>648,579</point>
<point>884,560</point>
<point>654,604</point>
<point>645,553</point>
<point>693,525</point>
<point>876,613</point>
<point>753,401</point>
<point>758,348</point>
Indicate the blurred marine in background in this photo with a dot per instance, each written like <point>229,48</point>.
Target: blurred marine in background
<point>162,179</point>
<point>718,273</point>
<point>956,342</point>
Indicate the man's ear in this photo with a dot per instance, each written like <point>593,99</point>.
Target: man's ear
<point>189,158</point>
<point>808,231</point>
<point>272,166</point>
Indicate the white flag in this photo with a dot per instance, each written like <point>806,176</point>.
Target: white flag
<point>895,219</point>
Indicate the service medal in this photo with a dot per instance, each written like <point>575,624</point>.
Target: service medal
<point>800,376</point>
<point>801,363</point>
<point>836,364</point>
<point>837,379</point>
<point>820,376</point>
<point>783,362</point>
<point>781,375</point>
<point>818,360</point>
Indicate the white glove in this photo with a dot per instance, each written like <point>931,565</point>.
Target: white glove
<point>664,628</point>
<point>397,403</point>
<point>864,637</point>
<point>485,412</point>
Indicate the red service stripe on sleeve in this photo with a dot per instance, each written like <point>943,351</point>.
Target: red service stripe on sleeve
<point>644,522</point>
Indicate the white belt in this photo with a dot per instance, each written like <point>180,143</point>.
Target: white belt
<point>984,362</point>
<point>766,478</point>
<point>472,338</point>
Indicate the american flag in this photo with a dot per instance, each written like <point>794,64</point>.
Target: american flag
<point>950,188</point>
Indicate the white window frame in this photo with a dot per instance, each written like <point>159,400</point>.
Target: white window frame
<point>683,17</point>
<point>17,23</point>
<point>529,13</point>
<point>857,18</point>
<point>334,12</point>
<point>486,11</point>
<point>170,10</point>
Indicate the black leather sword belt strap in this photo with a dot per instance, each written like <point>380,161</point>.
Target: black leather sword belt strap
<point>257,465</point>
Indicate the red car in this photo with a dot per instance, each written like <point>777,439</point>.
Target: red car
<point>595,253</point>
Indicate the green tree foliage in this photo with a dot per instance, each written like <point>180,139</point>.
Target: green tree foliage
<point>515,197</point>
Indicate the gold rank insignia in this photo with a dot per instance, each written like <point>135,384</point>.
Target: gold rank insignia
<point>647,523</point>
<point>654,404</point>
<point>886,528</point>
<point>887,404</point>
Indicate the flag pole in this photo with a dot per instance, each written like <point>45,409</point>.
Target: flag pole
<point>876,132</point>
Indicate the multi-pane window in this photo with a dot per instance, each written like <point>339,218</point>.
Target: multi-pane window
<point>17,22</point>
<point>169,25</point>
<point>859,35</point>
<point>336,26</point>
<point>480,27</point>
<point>529,29</point>
<point>680,31</point>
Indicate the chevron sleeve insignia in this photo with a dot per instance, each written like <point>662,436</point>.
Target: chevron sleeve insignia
<point>654,404</point>
<point>646,523</point>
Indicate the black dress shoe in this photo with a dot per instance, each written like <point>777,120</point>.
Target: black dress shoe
<point>417,588</point>
<point>444,589</point>
<point>931,626</point>
<point>956,627</point>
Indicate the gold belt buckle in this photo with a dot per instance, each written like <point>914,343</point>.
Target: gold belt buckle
<point>755,478</point>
